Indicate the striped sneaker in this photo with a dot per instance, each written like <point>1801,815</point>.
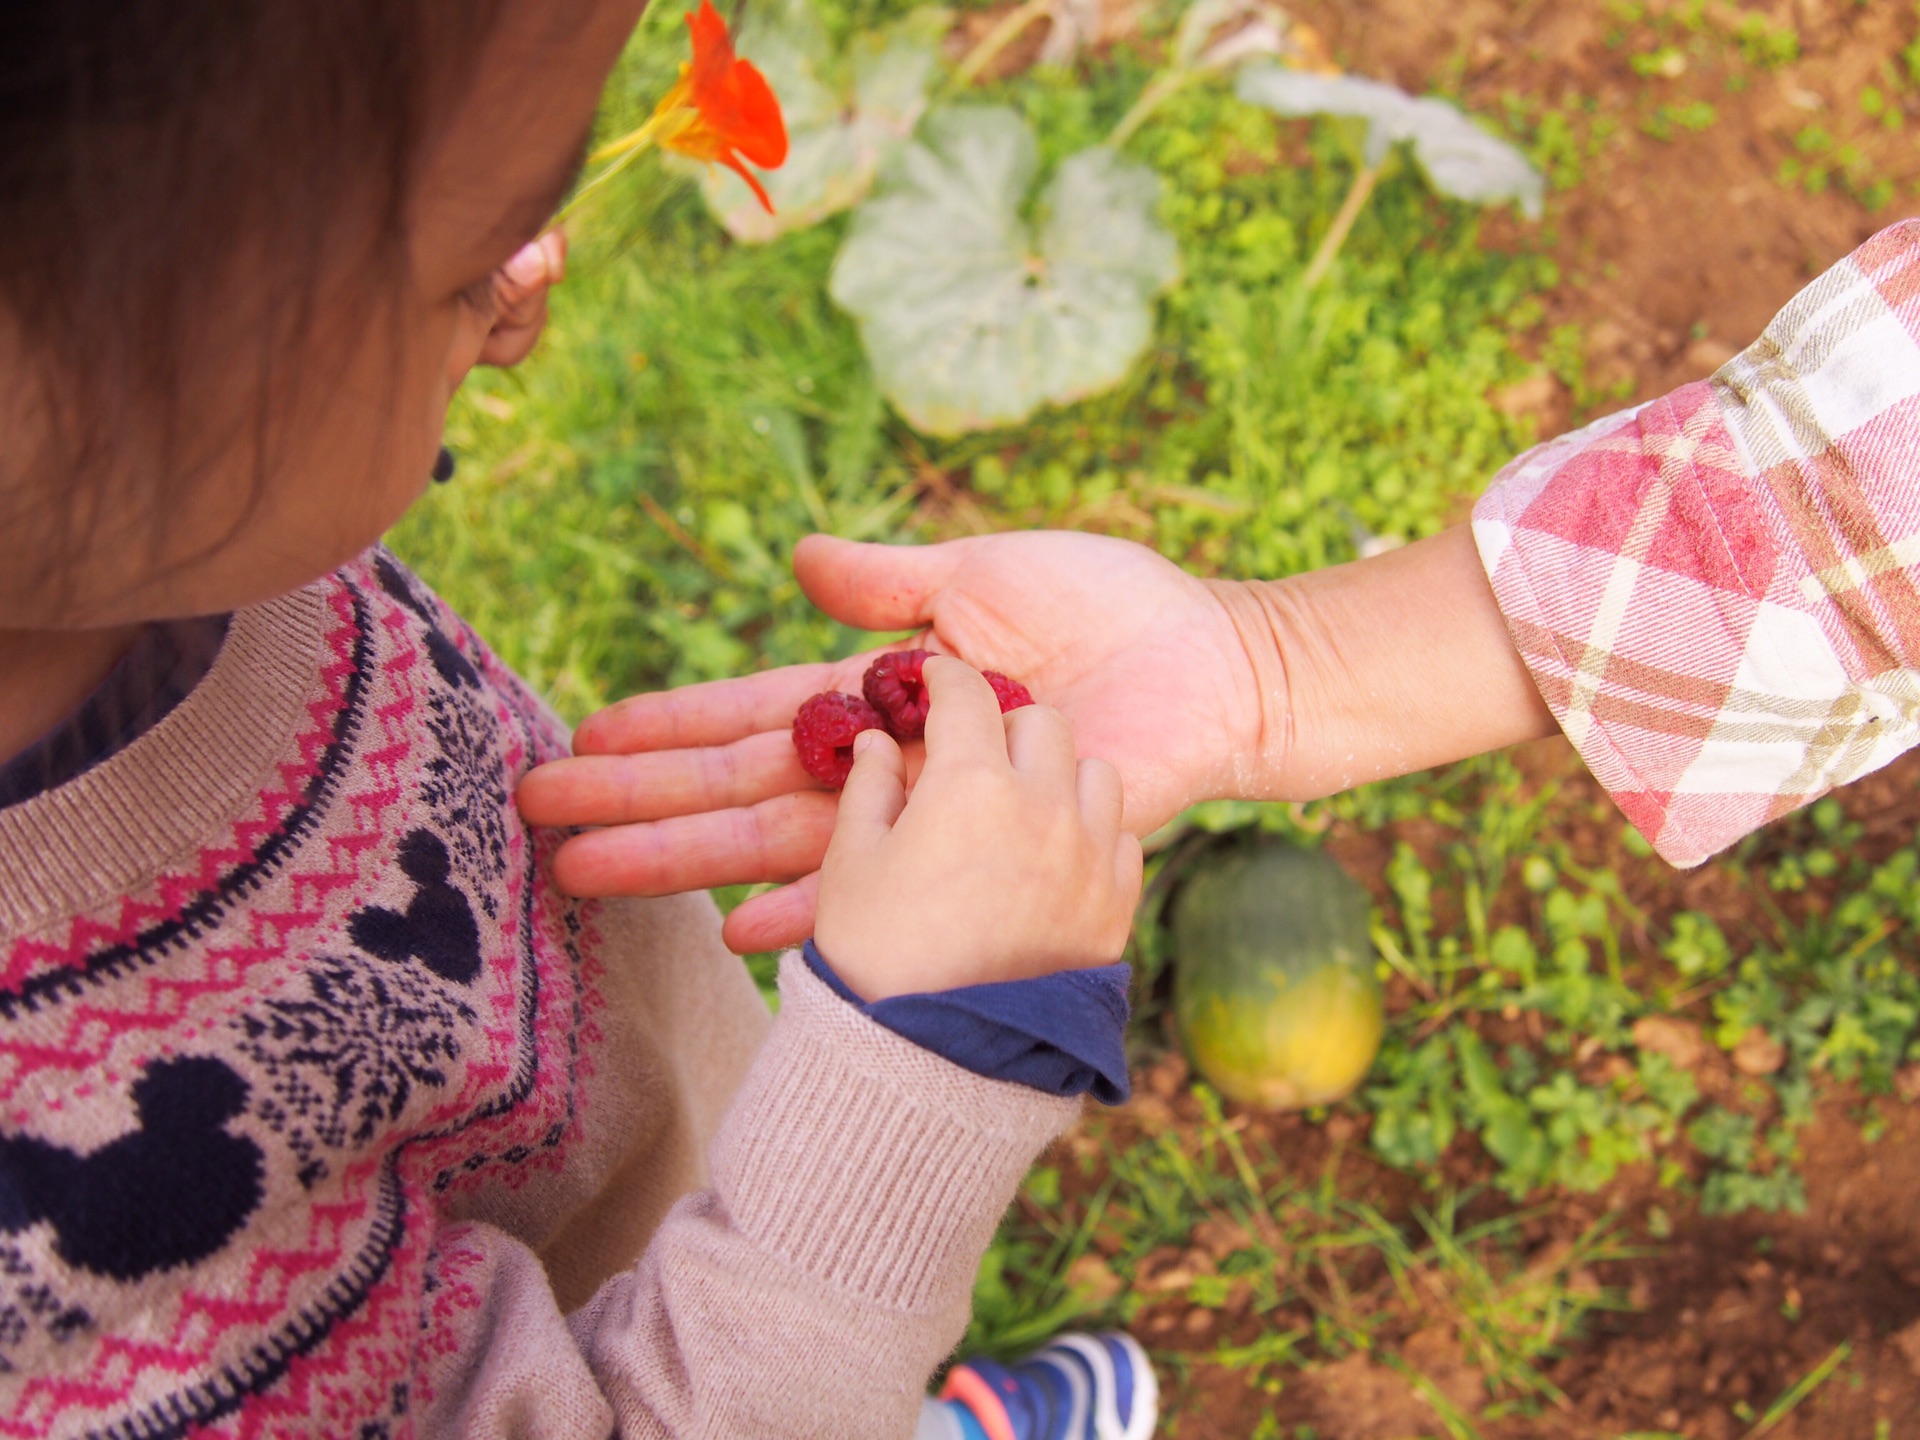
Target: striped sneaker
<point>1079,1387</point>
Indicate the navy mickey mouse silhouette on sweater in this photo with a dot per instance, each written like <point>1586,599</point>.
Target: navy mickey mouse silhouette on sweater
<point>171,1192</point>
<point>180,1186</point>
<point>438,927</point>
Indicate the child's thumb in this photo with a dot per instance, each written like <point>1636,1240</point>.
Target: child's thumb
<point>875,792</point>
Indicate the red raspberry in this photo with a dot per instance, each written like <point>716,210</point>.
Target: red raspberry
<point>1011,694</point>
<point>823,733</point>
<point>893,686</point>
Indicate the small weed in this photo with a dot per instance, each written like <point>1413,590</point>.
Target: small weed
<point>1668,121</point>
<point>1764,43</point>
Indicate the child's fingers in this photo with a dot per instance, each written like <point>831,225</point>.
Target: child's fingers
<point>875,792</point>
<point>554,243</point>
<point>512,340</point>
<point>963,716</point>
<point>1101,799</point>
<point>1040,745</point>
<point>530,272</point>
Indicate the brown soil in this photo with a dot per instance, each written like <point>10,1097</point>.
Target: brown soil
<point>1673,253</point>
<point>1722,1312</point>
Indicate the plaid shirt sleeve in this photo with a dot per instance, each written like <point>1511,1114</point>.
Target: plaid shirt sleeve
<point>1718,592</point>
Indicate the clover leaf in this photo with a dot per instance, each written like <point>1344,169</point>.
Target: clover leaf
<point>1459,158</point>
<point>846,113</point>
<point>972,316</point>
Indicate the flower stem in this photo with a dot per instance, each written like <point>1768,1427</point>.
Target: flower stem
<point>622,152</point>
<point>1162,88</point>
<point>996,40</point>
<point>1336,236</point>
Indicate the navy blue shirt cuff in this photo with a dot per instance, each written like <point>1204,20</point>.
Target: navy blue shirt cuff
<point>1063,1033</point>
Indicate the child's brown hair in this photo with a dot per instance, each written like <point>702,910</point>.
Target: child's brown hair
<point>174,176</point>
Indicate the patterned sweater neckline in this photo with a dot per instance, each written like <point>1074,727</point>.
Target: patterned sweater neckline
<point>107,830</point>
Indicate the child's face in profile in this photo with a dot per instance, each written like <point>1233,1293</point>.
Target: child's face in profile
<point>354,444</point>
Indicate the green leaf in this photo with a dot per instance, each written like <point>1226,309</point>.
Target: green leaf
<point>846,114</point>
<point>972,316</point>
<point>1459,158</point>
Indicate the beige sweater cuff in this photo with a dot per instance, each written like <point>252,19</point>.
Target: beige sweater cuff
<point>872,1164</point>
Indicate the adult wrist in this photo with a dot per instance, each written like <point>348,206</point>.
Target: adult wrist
<point>1268,622</point>
<point>1381,667</point>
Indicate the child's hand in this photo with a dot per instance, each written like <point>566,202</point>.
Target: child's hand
<point>1008,861</point>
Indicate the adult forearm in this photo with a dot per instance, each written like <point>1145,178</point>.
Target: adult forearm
<point>1379,668</point>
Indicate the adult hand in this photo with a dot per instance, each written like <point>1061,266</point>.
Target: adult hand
<point>700,786</point>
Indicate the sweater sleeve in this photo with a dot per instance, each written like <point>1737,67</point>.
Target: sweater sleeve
<point>809,1292</point>
<point>1063,1033</point>
<point>1718,592</point>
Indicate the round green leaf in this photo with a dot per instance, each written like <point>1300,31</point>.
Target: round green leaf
<point>973,317</point>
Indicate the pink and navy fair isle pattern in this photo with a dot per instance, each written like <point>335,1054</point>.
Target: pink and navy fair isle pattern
<point>1718,593</point>
<point>292,1059</point>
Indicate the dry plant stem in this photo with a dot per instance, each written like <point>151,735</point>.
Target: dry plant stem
<point>996,40</point>
<point>1162,88</point>
<point>1807,1384</point>
<point>1336,236</point>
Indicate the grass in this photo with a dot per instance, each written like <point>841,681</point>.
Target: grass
<point>627,501</point>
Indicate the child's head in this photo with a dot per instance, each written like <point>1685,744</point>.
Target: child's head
<point>245,257</point>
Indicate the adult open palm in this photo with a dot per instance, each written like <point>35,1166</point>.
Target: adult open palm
<point>700,786</point>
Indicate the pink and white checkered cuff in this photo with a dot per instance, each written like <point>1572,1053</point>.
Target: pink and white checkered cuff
<point>1718,593</point>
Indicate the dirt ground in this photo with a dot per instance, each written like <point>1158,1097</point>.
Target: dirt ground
<point>1674,252</point>
<point>1722,1310</point>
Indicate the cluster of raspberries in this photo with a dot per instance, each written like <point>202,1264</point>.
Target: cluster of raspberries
<point>896,702</point>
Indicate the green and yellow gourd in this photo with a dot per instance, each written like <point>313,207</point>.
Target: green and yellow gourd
<point>1274,988</point>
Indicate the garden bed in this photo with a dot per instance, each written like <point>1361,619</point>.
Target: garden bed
<point>1639,1156</point>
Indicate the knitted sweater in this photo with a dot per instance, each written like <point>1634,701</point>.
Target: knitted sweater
<point>320,1108</point>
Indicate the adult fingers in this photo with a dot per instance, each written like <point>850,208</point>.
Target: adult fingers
<point>875,587</point>
<point>1102,801</point>
<point>715,712</point>
<point>777,839</point>
<point>773,921</point>
<point>622,789</point>
<point>1040,744</point>
<point>963,716</point>
<point>875,792</point>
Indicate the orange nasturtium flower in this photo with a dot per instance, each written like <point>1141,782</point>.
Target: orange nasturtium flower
<point>721,109</point>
